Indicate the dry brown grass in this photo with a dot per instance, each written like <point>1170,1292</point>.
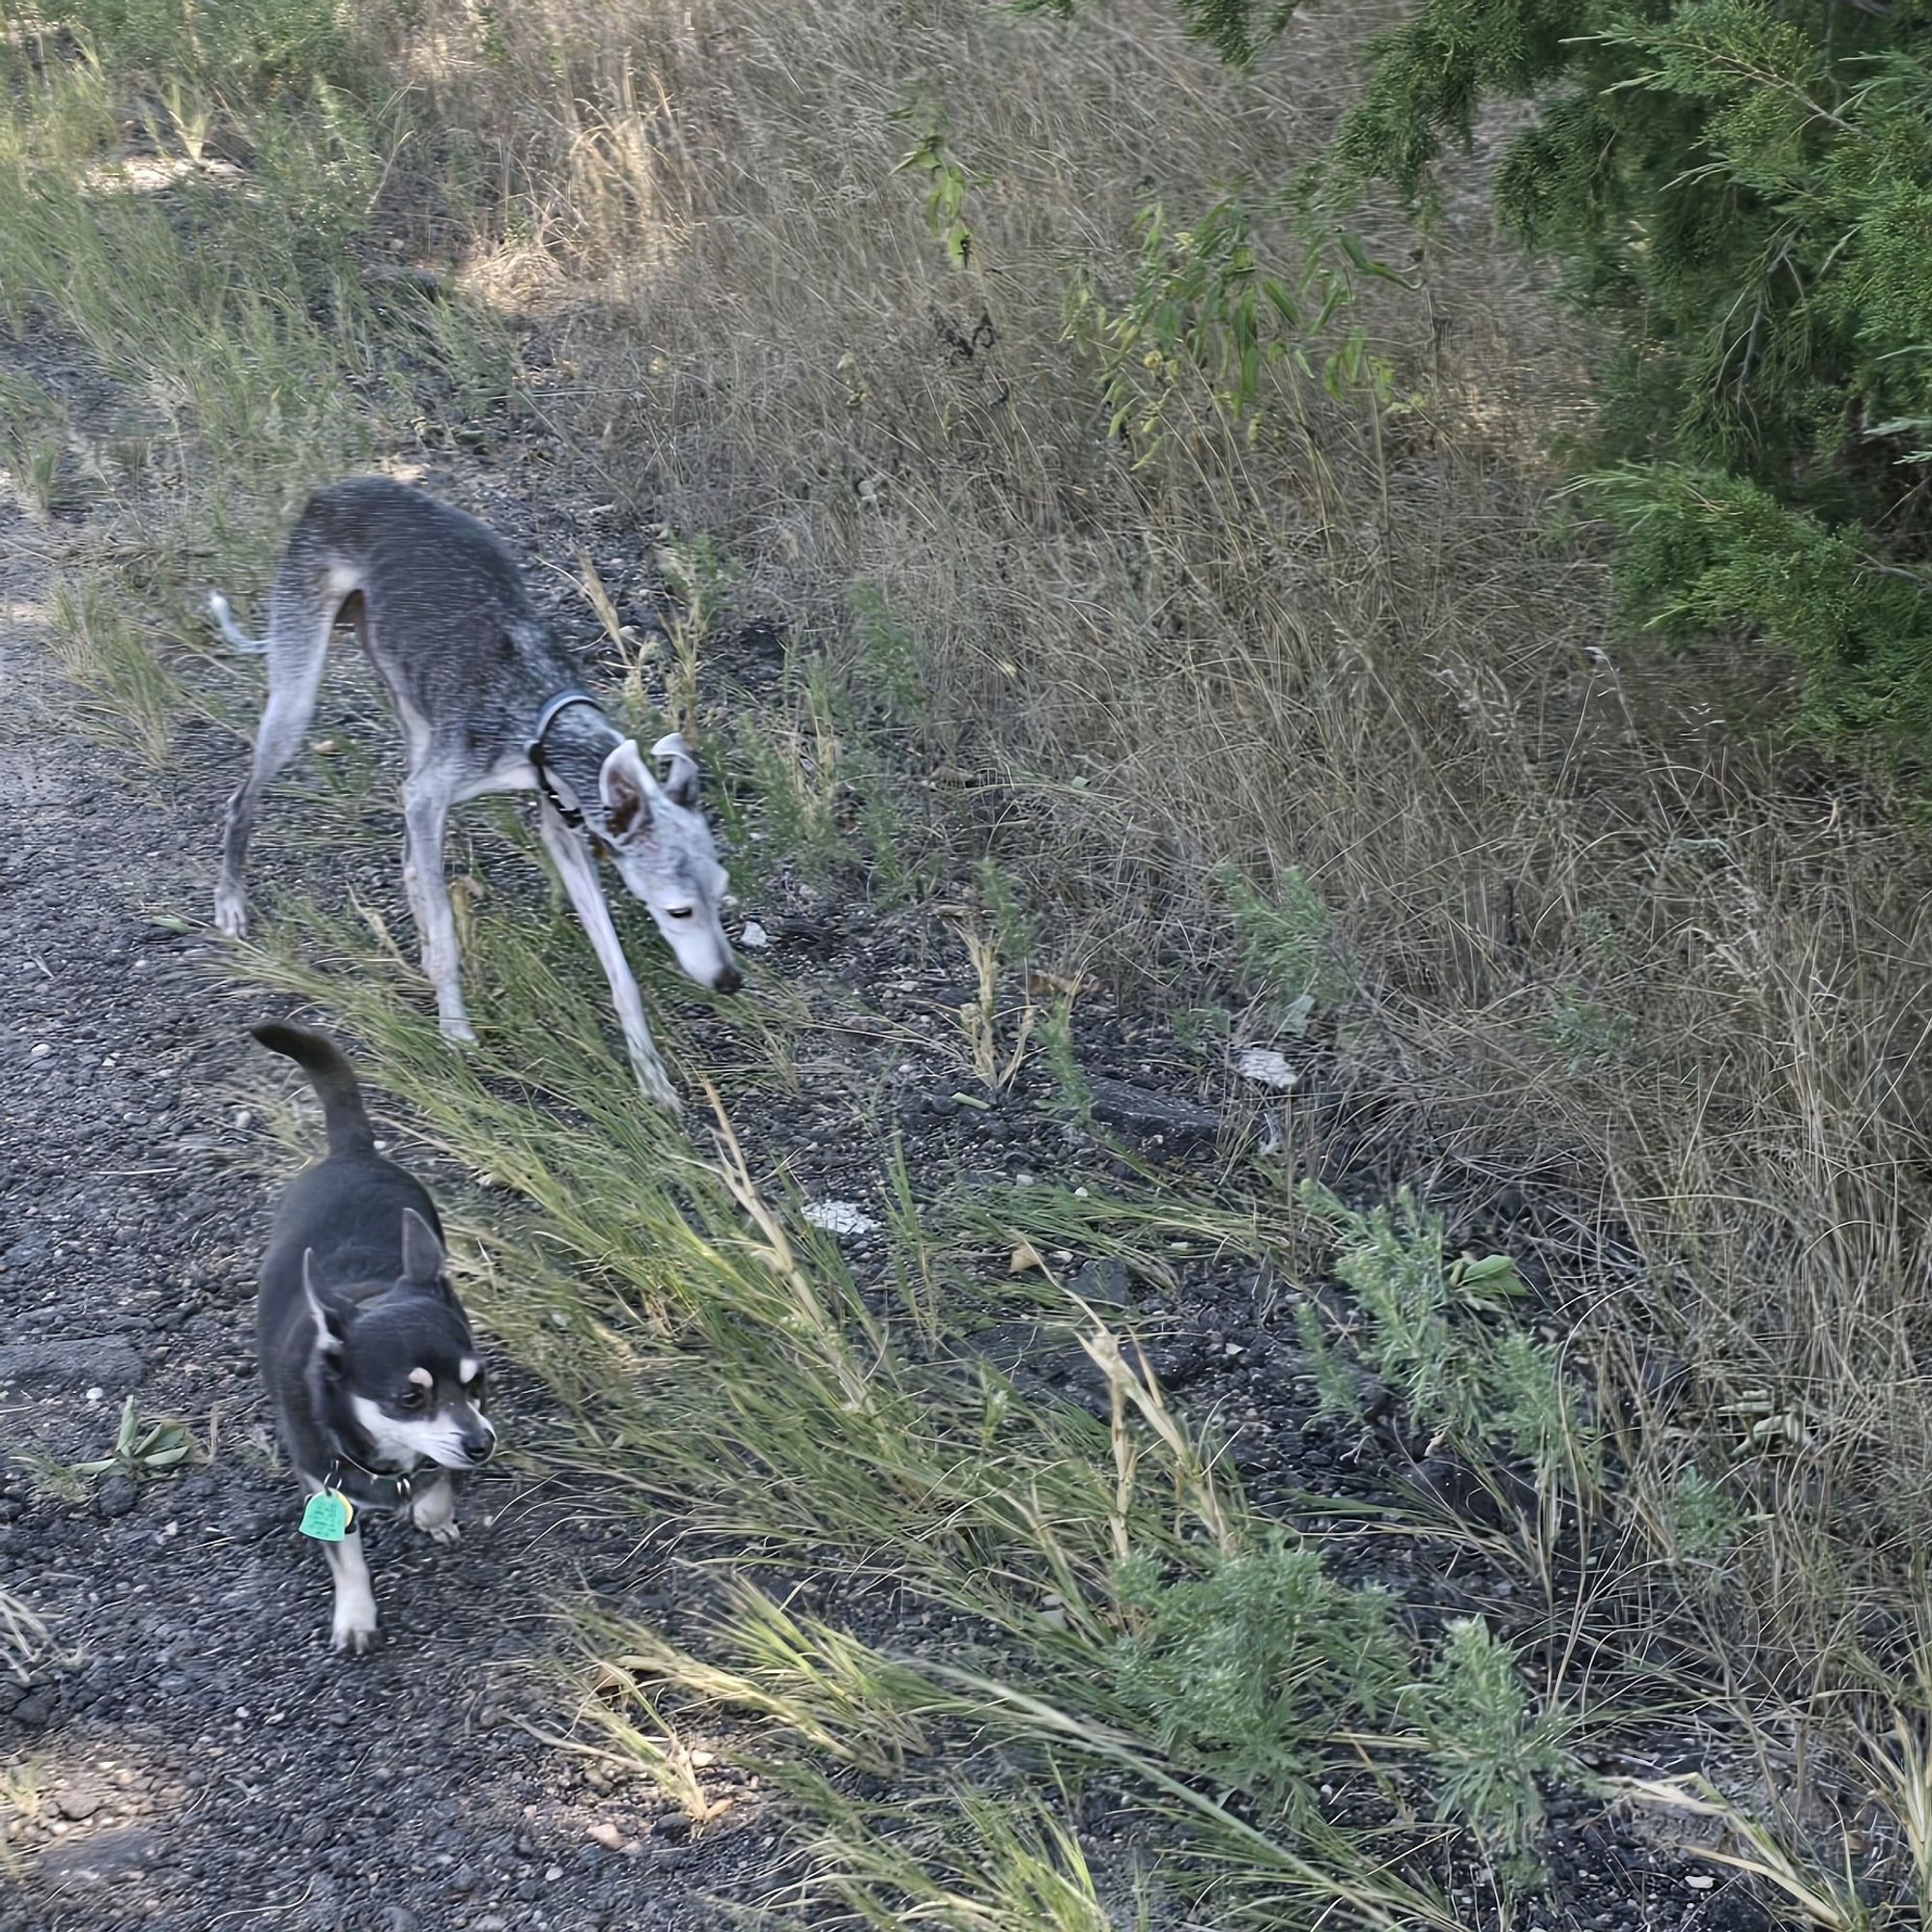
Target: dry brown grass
<point>1611,944</point>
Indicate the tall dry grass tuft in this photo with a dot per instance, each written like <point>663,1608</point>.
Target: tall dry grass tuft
<point>1610,944</point>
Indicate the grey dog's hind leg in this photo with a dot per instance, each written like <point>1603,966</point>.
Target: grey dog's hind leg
<point>297,649</point>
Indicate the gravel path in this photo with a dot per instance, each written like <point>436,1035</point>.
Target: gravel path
<point>191,1752</point>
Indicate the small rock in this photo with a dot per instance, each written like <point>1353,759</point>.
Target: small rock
<point>76,1802</point>
<point>40,1052</point>
<point>1122,1104</point>
<point>606,1833</point>
<point>840,1217</point>
<point>753,936</point>
<point>1106,1280</point>
<point>35,1710</point>
<point>81,1362</point>
<point>399,1919</point>
<point>116,1496</point>
<point>98,1856</point>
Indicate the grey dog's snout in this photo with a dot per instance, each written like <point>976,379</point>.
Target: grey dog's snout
<point>728,980</point>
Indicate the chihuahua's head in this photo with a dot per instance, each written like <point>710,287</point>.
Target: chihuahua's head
<point>397,1360</point>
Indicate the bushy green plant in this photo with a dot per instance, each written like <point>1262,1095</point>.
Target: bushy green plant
<point>1249,1669</point>
<point>1704,1521</point>
<point>1489,1747</point>
<point>1488,1384</point>
<point>1072,1092</point>
<point>1290,944</point>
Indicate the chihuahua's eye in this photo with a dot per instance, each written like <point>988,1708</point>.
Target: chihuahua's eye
<point>677,912</point>
<point>412,1397</point>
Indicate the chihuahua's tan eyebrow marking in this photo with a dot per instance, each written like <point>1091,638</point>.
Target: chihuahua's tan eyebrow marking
<point>467,1369</point>
<point>422,1377</point>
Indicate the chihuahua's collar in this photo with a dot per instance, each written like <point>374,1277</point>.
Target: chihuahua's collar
<point>380,1488</point>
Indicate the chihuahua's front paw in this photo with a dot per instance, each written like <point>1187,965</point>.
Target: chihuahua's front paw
<point>353,1634</point>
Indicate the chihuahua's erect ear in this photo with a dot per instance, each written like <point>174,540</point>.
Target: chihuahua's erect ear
<point>423,1259</point>
<point>329,1329</point>
<point>627,788</point>
<point>680,787</point>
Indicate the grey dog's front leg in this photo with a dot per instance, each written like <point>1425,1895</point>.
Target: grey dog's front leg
<point>426,798</point>
<point>577,870</point>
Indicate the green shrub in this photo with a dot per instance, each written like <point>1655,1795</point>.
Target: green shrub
<point>1247,1671</point>
<point>1740,194</point>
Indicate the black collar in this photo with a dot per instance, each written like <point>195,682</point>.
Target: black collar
<point>377,1488</point>
<point>572,816</point>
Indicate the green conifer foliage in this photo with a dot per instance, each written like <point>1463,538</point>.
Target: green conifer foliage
<point>1741,191</point>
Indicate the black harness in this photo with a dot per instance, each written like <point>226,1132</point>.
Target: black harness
<point>571,814</point>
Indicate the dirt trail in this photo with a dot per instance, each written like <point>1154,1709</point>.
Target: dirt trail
<point>197,1757</point>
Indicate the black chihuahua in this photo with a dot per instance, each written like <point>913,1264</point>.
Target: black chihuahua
<point>365,1348</point>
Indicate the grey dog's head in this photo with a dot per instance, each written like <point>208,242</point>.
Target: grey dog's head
<point>398,1359</point>
<point>664,855</point>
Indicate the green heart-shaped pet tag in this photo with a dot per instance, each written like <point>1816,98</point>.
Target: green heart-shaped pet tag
<point>327,1517</point>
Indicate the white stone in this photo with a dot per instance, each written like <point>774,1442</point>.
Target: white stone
<point>1266,1067</point>
<point>840,1217</point>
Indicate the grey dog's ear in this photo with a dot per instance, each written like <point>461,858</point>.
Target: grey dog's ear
<point>423,1259</point>
<point>627,788</point>
<point>329,1329</point>
<point>681,786</point>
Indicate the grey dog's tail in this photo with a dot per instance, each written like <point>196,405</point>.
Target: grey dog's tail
<point>334,1080</point>
<point>237,637</point>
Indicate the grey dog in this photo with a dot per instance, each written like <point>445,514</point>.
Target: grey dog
<point>489,702</point>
